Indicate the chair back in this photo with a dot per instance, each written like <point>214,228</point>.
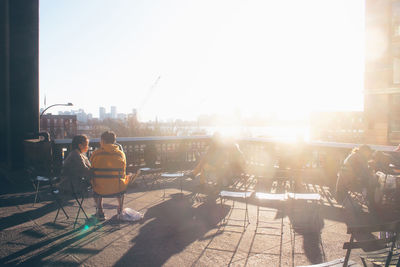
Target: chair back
<point>109,181</point>
<point>390,229</point>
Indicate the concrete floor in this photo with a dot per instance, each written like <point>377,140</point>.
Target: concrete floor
<point>188,229</point>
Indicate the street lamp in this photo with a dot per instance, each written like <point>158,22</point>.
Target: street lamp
<point>41,114</point>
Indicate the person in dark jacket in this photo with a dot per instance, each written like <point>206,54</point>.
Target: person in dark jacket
<point>355,172</point>
<point>76,170</point>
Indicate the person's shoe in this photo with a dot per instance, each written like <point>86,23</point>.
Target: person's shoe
<point>119,215</point>
<point>100,216</point>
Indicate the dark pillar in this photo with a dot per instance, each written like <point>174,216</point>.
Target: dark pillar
<point>19,78</point>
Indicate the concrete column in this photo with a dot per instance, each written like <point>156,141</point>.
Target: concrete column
<point>19,78</point>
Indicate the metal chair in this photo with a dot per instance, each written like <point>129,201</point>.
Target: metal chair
<point>179,175</point>
<point>223,195</point>
<point>270,197</point>
<point>78,196</point>
<point>37,180</point>
<point>154,173</point>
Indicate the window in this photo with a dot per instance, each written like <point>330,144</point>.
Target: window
<point>396,19</point>
<point>395,125</point>
<point>396,100</point>
<point>396,70</point>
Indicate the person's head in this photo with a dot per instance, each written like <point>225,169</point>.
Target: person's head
<point>108,137</point>
<point>80,142</point>
<point>365,150</point>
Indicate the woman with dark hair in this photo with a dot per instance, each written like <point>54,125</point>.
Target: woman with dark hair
<point>76,168</point>
<point>355,172</point>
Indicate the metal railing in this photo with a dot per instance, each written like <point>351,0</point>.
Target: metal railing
<point>320,160</point>
<point>170,152</point>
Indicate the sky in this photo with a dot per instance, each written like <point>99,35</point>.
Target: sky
<point>180,59</point>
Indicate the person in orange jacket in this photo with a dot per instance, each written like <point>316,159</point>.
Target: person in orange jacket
<point>109,183</point>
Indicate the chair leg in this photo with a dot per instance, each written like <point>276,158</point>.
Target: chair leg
<point>79,209</point>
<point>364,262</point>
<point>60,207</point>
<point>144,180</point>
<point>181,183</point>
<point>55,218</point>
<point>80,206</point>
<point>246,216</point>
<point>36,194</point>
<point>281,243</point>
<point>258,212</point>
<point>163,186</point>
<point>347,257</point>
<point>222,210</point>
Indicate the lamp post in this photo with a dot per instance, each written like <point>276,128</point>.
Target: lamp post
<point>67,104</point>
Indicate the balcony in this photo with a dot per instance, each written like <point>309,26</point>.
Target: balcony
<point>188,228</point>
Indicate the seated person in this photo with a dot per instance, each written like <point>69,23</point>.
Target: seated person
<point>76,170</point>
<point>222,161</point>
<point>355,172</point>
<point>109,183</point>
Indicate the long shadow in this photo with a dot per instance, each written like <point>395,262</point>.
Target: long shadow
<point>169,228</point>
<point>22,217</point>
<point>12,258</point>
<point>20,198</point>
<point>306,221</point>
<point>75,235</point>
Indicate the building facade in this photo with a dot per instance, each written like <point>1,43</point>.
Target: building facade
<point>382,72</point>
<point>59,126</point>
<point>342,126</point>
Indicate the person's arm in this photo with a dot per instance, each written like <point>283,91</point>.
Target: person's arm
<point>81,166</point>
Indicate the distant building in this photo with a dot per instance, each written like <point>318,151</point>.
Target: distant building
<point>343,126</point>
<point>382,72</point>
<point>102,113</point>
<point>113,112</point>
<point>59,126</point>
<point>121,116</point>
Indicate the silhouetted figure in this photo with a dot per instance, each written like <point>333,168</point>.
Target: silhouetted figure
<point>222,160</point>
<point>355,173</point>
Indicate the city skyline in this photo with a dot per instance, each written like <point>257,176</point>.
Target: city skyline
<point>164,58</point>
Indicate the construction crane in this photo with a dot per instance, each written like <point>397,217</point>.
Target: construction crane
<point>150,92</point>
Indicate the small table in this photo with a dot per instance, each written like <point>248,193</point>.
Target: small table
<point>153,172</point>
<point>173,175</point>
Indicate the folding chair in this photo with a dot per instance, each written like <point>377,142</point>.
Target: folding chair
<point>384,257</point>
<point>37,180</point>
<point>300,221</point>
<point>232,195</point>
<point>267,197</point>
<point>79,197</point>
<point>262,197</point>
<point>223,195</point>
<point>179,175</point>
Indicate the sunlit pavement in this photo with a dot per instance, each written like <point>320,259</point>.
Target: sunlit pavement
<point>189,229</point>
